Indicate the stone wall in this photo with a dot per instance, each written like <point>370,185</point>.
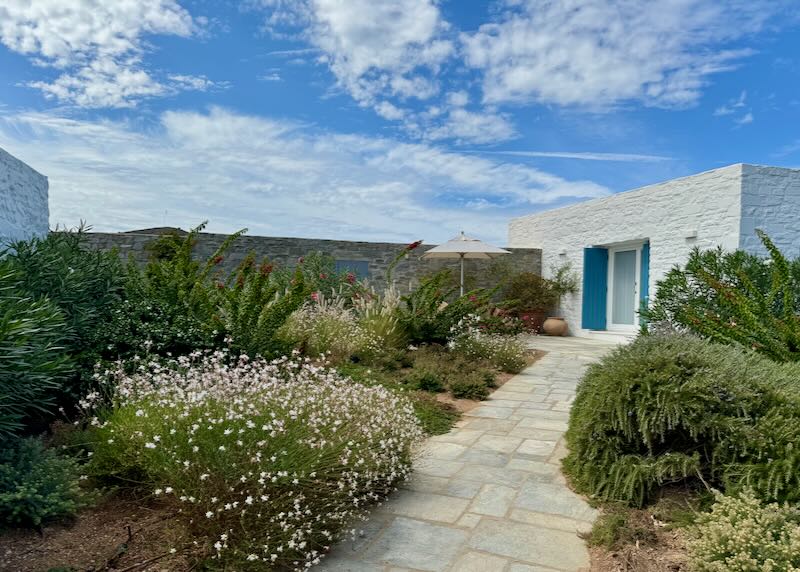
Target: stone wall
<point>702,210</point>
<point>24,211</point>
<point>286,251</point>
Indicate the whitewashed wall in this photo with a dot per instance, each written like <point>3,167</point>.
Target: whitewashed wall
<point>666,214</point>
<point>771,202</point>
<point>23,200</point>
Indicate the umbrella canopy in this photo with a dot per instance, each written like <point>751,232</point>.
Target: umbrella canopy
<point>463,247</point>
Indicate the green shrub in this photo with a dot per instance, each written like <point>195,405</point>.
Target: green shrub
<point>36,485</point>
<point>255,303</point>
<point>735,298</point>
<point>425,381</point>
<point>269,461</point>
<point>528,292</point>
<point>469,387</point>
<point>674,408</point>
<point>33,362</point>
<point>741,534</point>
<point>84,284</point>
<point>170,306</point>
<point>430,311</point>
<point>435,417</point>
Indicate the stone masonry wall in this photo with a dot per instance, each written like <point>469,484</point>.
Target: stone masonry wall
<point>286,251</point>
<point>702,210</point>
<point>24,211</point>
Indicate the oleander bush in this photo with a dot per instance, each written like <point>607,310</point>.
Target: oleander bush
<point>34,363</point>
<point>269,461</point>
<point>37,485</point>
<point>62,272</point>
<point>743,534</point>
<point>676,408</point>
<point>734,298</point>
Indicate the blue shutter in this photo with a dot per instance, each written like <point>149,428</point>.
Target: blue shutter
<point>595,288</point>
<point>644,278</point>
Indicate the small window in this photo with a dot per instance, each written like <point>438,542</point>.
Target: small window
<point>358,267</point>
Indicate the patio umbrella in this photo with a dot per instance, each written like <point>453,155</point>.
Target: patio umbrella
<point>463,247</point>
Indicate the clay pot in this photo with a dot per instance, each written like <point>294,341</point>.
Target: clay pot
<point>533,320</point>
<point>555,326</point>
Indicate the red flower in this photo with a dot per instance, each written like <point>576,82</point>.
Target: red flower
<point>315,296</point>
<point>220,286</point>
<point>218,259</point>
<point>413,245</point>
<point>265,269</point>
<point>323,276</point>
<point>351,278</point>
<point>473,298</point>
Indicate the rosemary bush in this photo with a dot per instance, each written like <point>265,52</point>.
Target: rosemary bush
<point>671,408</point>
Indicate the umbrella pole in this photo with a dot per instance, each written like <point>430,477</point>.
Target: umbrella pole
<point>462,273</point>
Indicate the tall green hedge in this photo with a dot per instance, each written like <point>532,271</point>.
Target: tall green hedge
<point>671,408</point>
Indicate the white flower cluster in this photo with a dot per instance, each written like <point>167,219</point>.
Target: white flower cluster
<point>269,461</point>
<point>741,534</point>
<point>508,353</point>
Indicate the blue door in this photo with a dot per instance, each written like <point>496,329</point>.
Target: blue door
<point>595,288</point>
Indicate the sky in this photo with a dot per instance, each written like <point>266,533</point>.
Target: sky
<point>385,120</point>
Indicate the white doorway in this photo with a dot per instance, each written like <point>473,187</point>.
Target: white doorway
<point>624,269</point>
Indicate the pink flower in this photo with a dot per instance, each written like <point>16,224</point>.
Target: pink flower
<point>351,278</point>
<point>315,296</point>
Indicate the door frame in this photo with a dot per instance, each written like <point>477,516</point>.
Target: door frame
<point>612,250</point>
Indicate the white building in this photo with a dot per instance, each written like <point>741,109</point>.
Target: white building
<point>623,244</point>
<point>24,211</point>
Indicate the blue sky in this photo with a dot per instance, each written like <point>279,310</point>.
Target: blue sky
<point>385,120</point>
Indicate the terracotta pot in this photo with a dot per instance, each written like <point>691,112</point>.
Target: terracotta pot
<point>555,326</point>
<point>533,320</point>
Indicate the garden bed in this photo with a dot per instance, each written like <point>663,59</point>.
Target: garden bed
<point>116,534</point>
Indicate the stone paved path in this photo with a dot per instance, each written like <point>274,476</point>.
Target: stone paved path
<point>489,496</point>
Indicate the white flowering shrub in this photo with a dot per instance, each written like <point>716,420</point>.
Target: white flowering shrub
<point>507,353</point>
<point>268,461</point>
<point>327,326</point>
<point>741,534</point>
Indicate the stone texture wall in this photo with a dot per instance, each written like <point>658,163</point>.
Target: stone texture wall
<point>24,211</point>
<point>701,210</point>
<point>771,202</point>
<point>286,251</point>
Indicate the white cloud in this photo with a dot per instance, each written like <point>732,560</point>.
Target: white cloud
<point>745,119</point>
<point>465,126</point>
<point>373,47</point>
<point>583,156</point>
<point>599,53</point>
<point>275,177</point>
<point>98,46</point>
<point>733,105</point>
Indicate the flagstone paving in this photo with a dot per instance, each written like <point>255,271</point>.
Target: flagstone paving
<point>489,496</point>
